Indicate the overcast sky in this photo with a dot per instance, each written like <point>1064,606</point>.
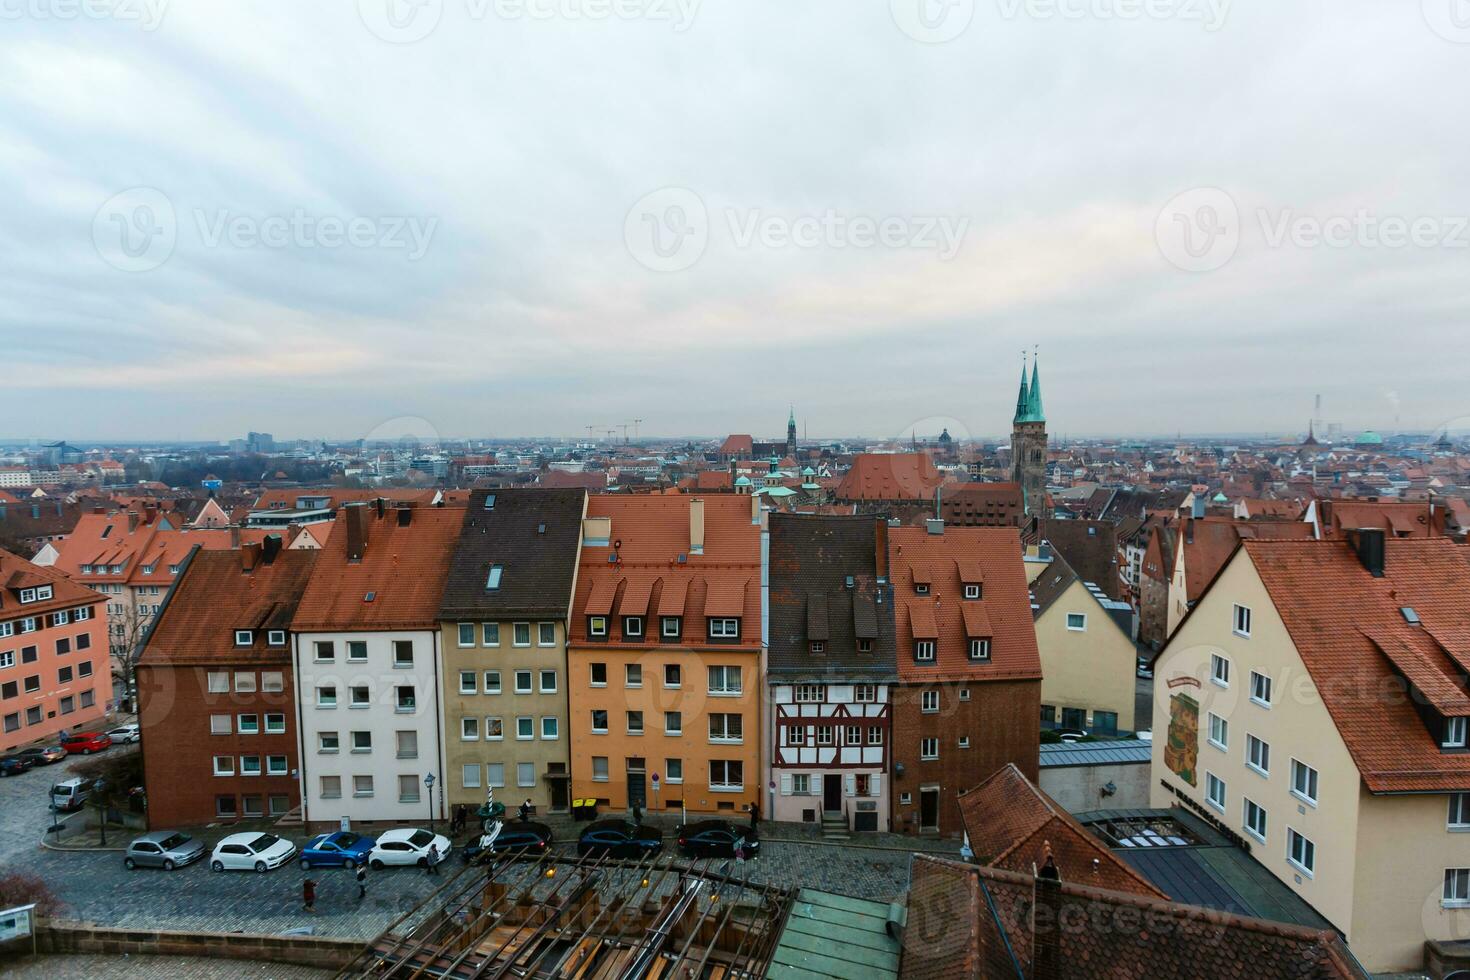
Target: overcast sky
<point>505,217</point>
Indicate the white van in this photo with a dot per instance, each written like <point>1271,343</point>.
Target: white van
<point>71,794</point>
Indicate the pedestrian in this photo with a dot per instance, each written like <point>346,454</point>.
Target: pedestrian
<point>637,814</point>
<point>361,882</point>
<point>308,896</point>
<point>526,810</point>
<point>431,863</point>
<point>755,815</point>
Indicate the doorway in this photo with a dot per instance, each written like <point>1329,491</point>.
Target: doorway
<point>637,784</point>
<point>832,792</point>
<point>929,809</point>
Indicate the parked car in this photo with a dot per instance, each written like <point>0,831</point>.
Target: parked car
<point>1145,668</point>
<point>43,755</point>
<point>71,794</point>
<point>166,849</point>
<point>14,765</point>
<point>716,838</point>
<point>125,734</point>
<point>85,743</point>
<point>522,837</point>
<point>407,846</point>
<point>343,849</point>
<point>251,850</point>
<point>620,838</point>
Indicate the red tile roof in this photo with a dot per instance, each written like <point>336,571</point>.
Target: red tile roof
<point>18,573</point>
<point>890,476</point>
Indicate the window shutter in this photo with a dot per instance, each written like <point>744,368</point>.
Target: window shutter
<point>851,784</point>
<point>786,784</point>
<point>875,784</point>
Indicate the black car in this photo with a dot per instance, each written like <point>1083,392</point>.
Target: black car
<point>522,837</point>
<point>14,765</point>
<point>620,838</point>
<point>716,838</point>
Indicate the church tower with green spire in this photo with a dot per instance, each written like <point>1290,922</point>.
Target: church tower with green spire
<point>791,433</point>
<point>1028,443</point>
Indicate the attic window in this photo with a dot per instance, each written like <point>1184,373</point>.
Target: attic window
<point>1454,733</point>
<point>276,638</point>
<point>972,592</point>
<point>369,597</point>
<point>243,638</point>
<point>819,646</point>
<point>865,646</point>
<point>492,581</point>
<point>489,501</point>
<point>1410,616</point>
<point>921,588</point>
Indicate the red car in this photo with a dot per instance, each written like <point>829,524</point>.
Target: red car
<point>85,743</point>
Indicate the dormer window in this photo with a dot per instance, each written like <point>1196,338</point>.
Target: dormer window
<point>671,627</point>
<point>726,628</point>
<point>632,626</point>
<point>276,638</point>
<point>597,626</point>
<point>980,648</point>
<point>243,638</point>
<point>924,650</point>
<point>865,646</point>
<point>1454,733</point>
<point>38,594</point>
<point>148,569</point>
<point>818,646</point>
<point>921,588</point>
<point>972,591</point>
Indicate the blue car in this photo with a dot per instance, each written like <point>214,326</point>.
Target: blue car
<point>343,849</point>
<point>620,838</point>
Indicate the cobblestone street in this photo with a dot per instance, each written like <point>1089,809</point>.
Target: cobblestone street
<point>173,967</point>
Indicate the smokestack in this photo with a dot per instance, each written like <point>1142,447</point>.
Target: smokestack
<point>356,517</point>
<point>880,547</point>
<point>270,548</point>
<point>249,556</point>
<point>696,526</point>
<point>1371,550</point>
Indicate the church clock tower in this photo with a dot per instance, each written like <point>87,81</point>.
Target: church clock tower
<point>1028,444</point>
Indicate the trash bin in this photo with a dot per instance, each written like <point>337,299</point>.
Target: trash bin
<point>584,809</point>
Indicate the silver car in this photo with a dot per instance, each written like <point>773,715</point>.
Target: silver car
<point>166,849</point>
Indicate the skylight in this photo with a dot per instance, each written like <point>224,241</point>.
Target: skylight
<point>489,501</point>
<point>492,581</point>
<point>1410,616</point>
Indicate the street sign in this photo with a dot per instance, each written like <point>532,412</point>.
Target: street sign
<point>17,923</point>
<point>655,780</point>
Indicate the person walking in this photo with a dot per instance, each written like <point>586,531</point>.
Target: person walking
<point>308,896</point>
<point>526,810</point>
<point>431,863</point>
<point>755,815</point>
<point>361,882</point>
<point>637,814</point>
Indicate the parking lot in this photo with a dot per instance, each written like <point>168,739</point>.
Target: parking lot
<point>96,887</point>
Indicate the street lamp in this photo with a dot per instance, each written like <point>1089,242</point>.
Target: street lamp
<point>429,784</point>
<point>100,789</point>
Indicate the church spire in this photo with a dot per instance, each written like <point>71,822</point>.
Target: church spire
<point>1034,412</point>
<point>1022,398</point>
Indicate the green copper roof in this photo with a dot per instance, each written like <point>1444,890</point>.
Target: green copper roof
<point>1028,402</point>
<point>1022,398</point>
<point>833,937</point>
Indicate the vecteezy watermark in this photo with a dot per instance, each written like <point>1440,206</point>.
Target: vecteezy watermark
<point>1450,19</point>
<point>407,21</point>
<point>148,14</point>
<point>669,229</point>
<point>932,21</point>
<point>138,229</point>
<point>1210,14</point>
<point>1199,230</point>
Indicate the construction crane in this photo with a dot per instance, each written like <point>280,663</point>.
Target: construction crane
<point>590,429</point>
<point>625,432</point>
<point>636,423</point>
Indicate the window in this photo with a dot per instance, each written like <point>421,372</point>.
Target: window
<point>1105,722</point>
<point>599,768</point>
<point>275,765</point>
<point>86,699</point>
<point>493,577</point>
<point>32,683</point>
<point>68,705</point>
<point>272,681</point>
<point>921,588</point>
<point>521,635</point>
<point>672,675</point>
<point>469,729</point>
<point>731,728</point>
<point>725,681</point>
<point>980,649</point>
<point>724,629</point>
<point>469,776</point>
<point>219,724</point>
<point>1459,818</point>
<point>362,741</point>
<point>796,735</point>
<point>1214,791</point>
<point>972,591</point>
<point>494,729</point>
<point>467,639</point>
<point>249,724</point>
<point>1456,888</point>
<point>599,721</point>
<point>924,650</point>
<point>361,696</point>
<point>495,774</point>
<point>84,641</point>
<point>324,651</point>
<point>243,638</point>
<point>224,807</point>
<point>546,634</point>
<point>525,774</point>
<point>853,735</point>
<point>1255,820</point>
<point>635,723</point>
<point>224,765</point>
<point>63,675</point>
<point>929,748</point>
<point>219,682</point>
<point>492,682</point>
<point>275,723</point>
<point>818,646</point>
<point>245,681</point>
<point>824,735</point>
<point>632,626</point>
<point>673,723</point>
<point>490,634</point>
<point>63,645</point>
<point>865,693</point>
<point>633,675</point>
<point>327,742</point>
<point>331,787</point>
<point>523,682</point>
<point>548,682</point>
<point>467,682</point>
<point>726,774</point>
<point>1219,670</point>
<point>598,675</point>
<point>406,700</point>
<point>12,721</point>
<point>1219,731</point>
<point>1077,622</point>
<point>525,728</point>
<point>326,697</point>
<point>33,715</point>
<point>406,743</point>
<point>1257,755</point>
<point>670,627</point>
<point>865,645</point>
<point>7,659</point>
<point>356,651</point>
<point>1242,622</point>
<point>929,702</point>
<point>875,735</point>
<point>403,653</point>
<point>597,626</point>
<point>674,770</point>
<point>1300,851</point>
<point>1304,782</point>
<point>1261,689</point>
<point>1454,733</point>
<point>408,789</point>
<point>362,786</point>
<point>550,728</point>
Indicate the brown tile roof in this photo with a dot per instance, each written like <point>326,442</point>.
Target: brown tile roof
<point>533,535</point>
<point>1402,519</point>
<point>1209,542</point>
<point>17,573</point>
<point>890,476</point>
<point>982,504</point>
<point>1350,632</point>
<point>403,568</point>
<point>1013,824</point>
<point>1007,603</point>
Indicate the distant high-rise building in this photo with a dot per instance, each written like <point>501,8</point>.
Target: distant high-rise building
<point>260,442</point>
<point>1028,444</point>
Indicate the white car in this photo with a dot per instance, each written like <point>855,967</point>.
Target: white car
<point>407,846</point>
<point>127,733</point>
<point>243,852</point>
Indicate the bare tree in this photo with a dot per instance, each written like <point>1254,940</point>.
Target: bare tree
<point>125,633</point>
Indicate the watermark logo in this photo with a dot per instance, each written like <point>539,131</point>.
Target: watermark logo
<point>1199,230</point>
<point>679,13</point>
<point>147,14</point>
<point>932,21</point>
<point>1362,229</point>
<point>400,21</point>
<point>1209,14</point>
<point>302,230</point>
<point>667,230</point>
<point>136,230</point>
<point>1450,19</point>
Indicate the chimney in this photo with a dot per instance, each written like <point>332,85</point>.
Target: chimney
<point>934,525</point>
<point>132,521</point>
<point>235,537</point>
<point>1198,509</point>
<point>379,503</point>
<point>249,556</point>
<point>1371,550</point>
<point>696,526</point>
<point>1046,928</point>
<point>150,513</point>
<point>1189,530</point>
<point>356,519</point>
<point>270,548</point>
<point>405,516</point>
<point>880,547</point>
<point>755,509</point>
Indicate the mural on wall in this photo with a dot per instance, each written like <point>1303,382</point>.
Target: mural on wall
<point>1181,752</point>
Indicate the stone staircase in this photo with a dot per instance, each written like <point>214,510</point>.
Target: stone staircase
<point>834,827</point>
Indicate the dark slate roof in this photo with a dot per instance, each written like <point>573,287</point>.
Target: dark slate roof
<point>1127,751</point>
<point>811,559</point>
<point>533,535</point>
<point>1050,584</point>
<point>1091,548</point>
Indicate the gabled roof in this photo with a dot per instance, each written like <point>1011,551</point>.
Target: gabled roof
<point>533,535</point>
<point>890,476</point>
<point>18,573</point>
